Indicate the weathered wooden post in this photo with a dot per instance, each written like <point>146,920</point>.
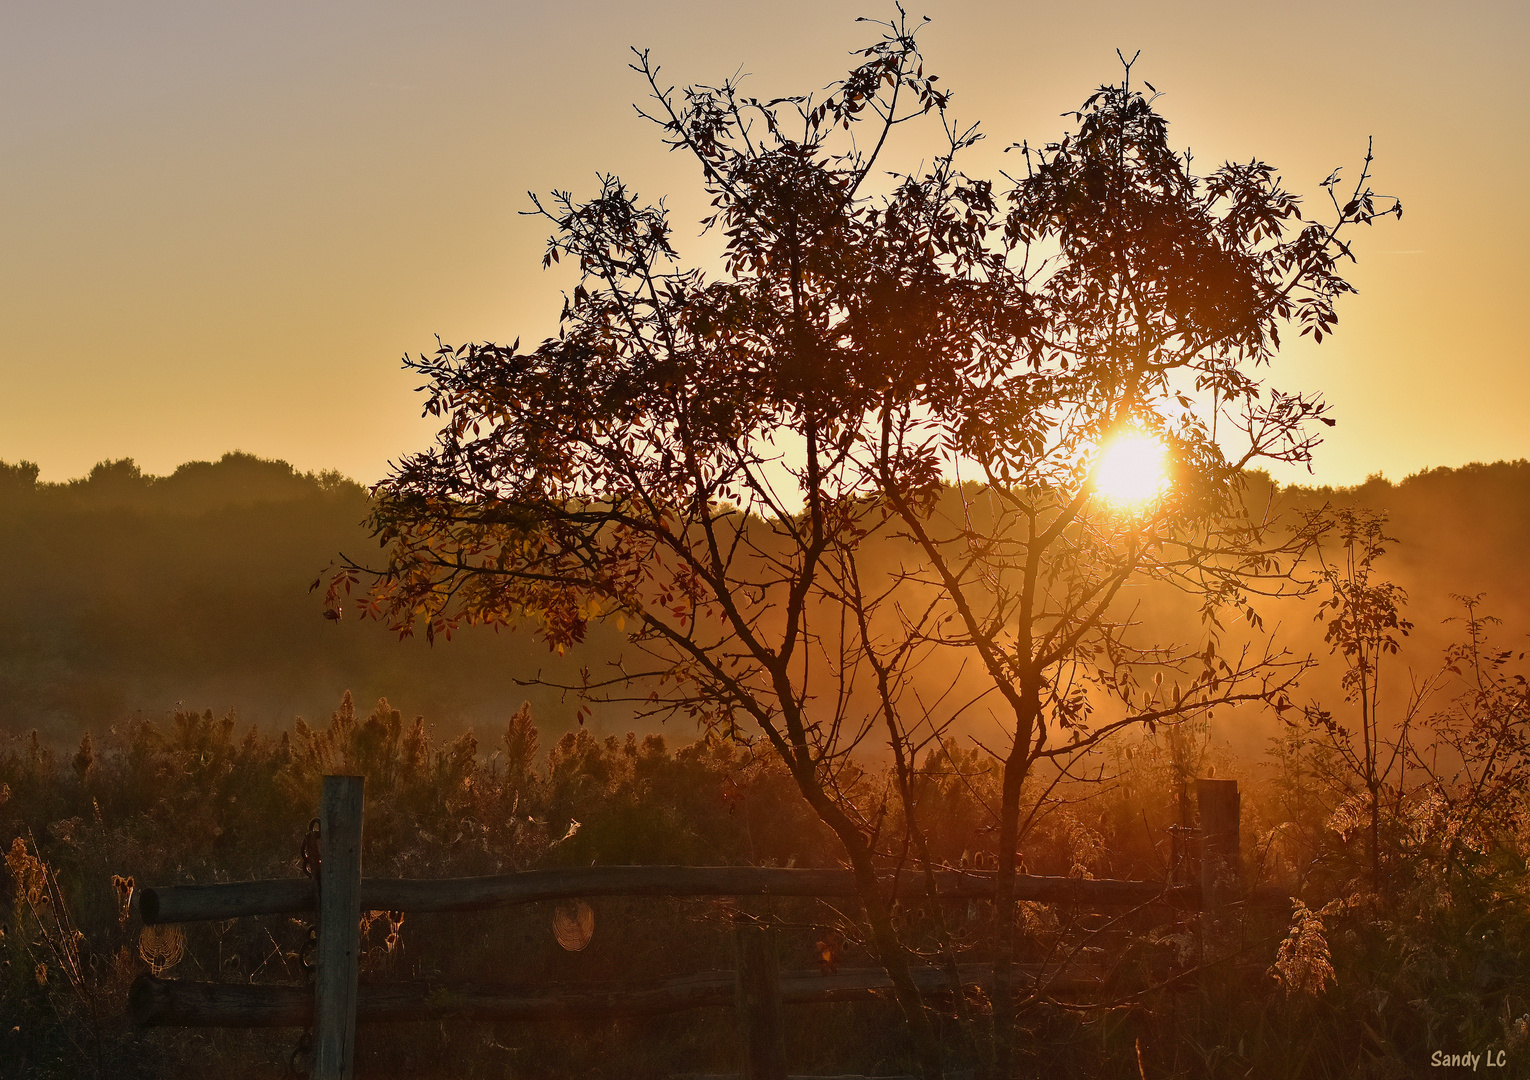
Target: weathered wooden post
<point>1220,807</point>
<point>758,999</point>
<point>339,946</point>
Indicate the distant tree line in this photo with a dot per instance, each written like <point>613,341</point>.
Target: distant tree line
<point>123,593</point>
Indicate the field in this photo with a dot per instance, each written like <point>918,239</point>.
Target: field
<point>1363,983</point>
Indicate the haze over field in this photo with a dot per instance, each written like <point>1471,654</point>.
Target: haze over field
<point>231,223</point>
<point>129,594</point>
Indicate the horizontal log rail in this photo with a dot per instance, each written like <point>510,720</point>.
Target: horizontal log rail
<point>177,1003</point>
<point>200,903</point>
<point>756,990</point>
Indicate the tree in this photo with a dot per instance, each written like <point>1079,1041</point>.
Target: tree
<point>1364,624</point>
<point>711,463</point>
<point>1484,728</point>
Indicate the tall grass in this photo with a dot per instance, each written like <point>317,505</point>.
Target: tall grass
<point>1355,981</point>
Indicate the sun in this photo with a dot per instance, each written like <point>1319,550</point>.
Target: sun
<point>1131,469</point>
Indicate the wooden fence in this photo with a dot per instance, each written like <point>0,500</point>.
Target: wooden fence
<point>757,988</point>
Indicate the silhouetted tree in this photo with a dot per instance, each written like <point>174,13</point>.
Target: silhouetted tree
<point>1363,623</point>
<point>704,460</point>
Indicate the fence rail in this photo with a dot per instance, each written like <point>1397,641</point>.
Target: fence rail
<point>201,903</point>
<point>757,989</point>
<point>178,1003</point>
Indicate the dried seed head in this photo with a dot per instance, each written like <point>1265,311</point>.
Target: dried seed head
<point>1303,963</point>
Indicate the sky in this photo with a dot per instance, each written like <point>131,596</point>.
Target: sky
<point>222,225</point>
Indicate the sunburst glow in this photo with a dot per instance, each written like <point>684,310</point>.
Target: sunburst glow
<point>1131,469</point>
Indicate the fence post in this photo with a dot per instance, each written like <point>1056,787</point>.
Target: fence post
<point>1220,807</point>
<point>758,997</point>
<point>339,946</point>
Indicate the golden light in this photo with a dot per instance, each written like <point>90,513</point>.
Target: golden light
<point>1131,469</point>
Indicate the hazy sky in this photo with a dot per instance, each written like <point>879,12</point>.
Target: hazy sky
<point>221,224</point>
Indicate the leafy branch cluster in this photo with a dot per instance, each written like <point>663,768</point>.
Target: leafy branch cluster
<point>710,462</point>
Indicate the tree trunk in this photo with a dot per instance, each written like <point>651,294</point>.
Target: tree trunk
<point>884,935</point>
<point>894,958</point>
<point>1015,769</point>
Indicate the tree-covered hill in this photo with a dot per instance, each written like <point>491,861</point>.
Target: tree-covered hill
<point>1463,531</point>
<point>123,593</point>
